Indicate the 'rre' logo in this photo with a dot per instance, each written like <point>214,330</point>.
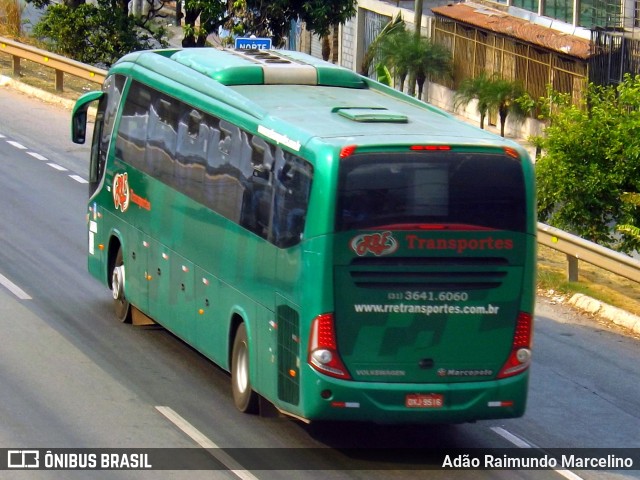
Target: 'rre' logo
<point>376,243</point>
<point>121,192</point>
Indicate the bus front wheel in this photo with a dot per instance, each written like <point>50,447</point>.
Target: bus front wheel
<point>245,399</point>
<point>121,305</point>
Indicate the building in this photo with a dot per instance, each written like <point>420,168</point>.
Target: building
<point>564,44</point>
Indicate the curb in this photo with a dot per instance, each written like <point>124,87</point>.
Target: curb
<point>36,92</point>
<point>616,315</point>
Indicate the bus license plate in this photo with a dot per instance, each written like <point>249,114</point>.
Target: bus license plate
<point>420,400</point>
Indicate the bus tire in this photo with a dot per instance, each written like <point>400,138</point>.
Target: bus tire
<point>121,305</point>
<point>244,398</point>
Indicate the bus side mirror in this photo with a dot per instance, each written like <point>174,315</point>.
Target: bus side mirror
<point>79,116</point>
<point>79,127</point>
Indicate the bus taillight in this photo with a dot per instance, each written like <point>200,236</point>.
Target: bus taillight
<point>347,151</point>
<point>430,147</point>
<point>323,348</point>
<point>520,356</point>
<point>512,152</point>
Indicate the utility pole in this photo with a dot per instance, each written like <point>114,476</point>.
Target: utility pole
<point>417,22</point>
<point>417,16</point>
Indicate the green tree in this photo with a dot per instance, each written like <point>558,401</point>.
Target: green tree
<point>321,16</point>
<point>262,19</point>
<point>632,198</point>
<point>273,18</point>
<point>212,14</point>
<point>93,34</point>
<point>591,157</point>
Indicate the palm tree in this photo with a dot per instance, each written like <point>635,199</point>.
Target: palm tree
<point>416,57</point>
<point>396,51</point>
<point>493,94</point>
<point>504,95</point>
<point>477,88</point>
<point>432,61</point>
<point>372,50</point>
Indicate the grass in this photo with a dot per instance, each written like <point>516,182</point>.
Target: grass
<point>592,281</point>
<point>10,18</point>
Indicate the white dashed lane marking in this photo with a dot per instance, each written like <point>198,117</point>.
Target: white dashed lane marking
<point>57,167</point>
<point>37,156</point>
<point>42,158</point>
<point>16,144</point>
<point>78,178</point>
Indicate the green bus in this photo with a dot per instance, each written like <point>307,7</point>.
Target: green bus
<point>345,251</point>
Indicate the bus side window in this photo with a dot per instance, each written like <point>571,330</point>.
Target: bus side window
<point>291,199</point>
<point>132,131</point>
<point>213,153</point>
<point>230,142</point>
<point>258,197</point>
<point>225,182</point>
<point>213,161</point>
<point>162,137</point>
<point>191,153</point>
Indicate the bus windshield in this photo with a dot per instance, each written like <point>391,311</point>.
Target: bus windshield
<point>468,190</point>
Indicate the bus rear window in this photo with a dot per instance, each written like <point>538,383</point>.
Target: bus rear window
<point>477,190</point>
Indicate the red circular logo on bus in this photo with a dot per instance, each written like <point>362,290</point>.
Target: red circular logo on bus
<point>379,243</point>
<point>121,192</point>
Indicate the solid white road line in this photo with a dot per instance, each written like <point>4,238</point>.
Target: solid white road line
<point>518,442</point>
<point>205,442</point>
<point>13,288</point>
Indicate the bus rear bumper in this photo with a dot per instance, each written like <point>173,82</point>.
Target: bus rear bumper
<point>342,400</point>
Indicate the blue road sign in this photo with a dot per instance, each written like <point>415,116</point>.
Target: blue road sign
<point>253,43</point>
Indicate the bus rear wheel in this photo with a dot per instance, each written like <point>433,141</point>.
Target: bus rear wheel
<point>121,305</point>
<point>245,399</point>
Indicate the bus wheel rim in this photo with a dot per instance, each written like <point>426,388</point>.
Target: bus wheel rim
<point>242,369</point>
<point>117,281</point>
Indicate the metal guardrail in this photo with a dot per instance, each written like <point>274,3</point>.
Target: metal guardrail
<point>575,248</point>
<point>60,64</point>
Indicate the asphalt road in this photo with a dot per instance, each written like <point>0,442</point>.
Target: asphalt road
<point>73,377</point>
